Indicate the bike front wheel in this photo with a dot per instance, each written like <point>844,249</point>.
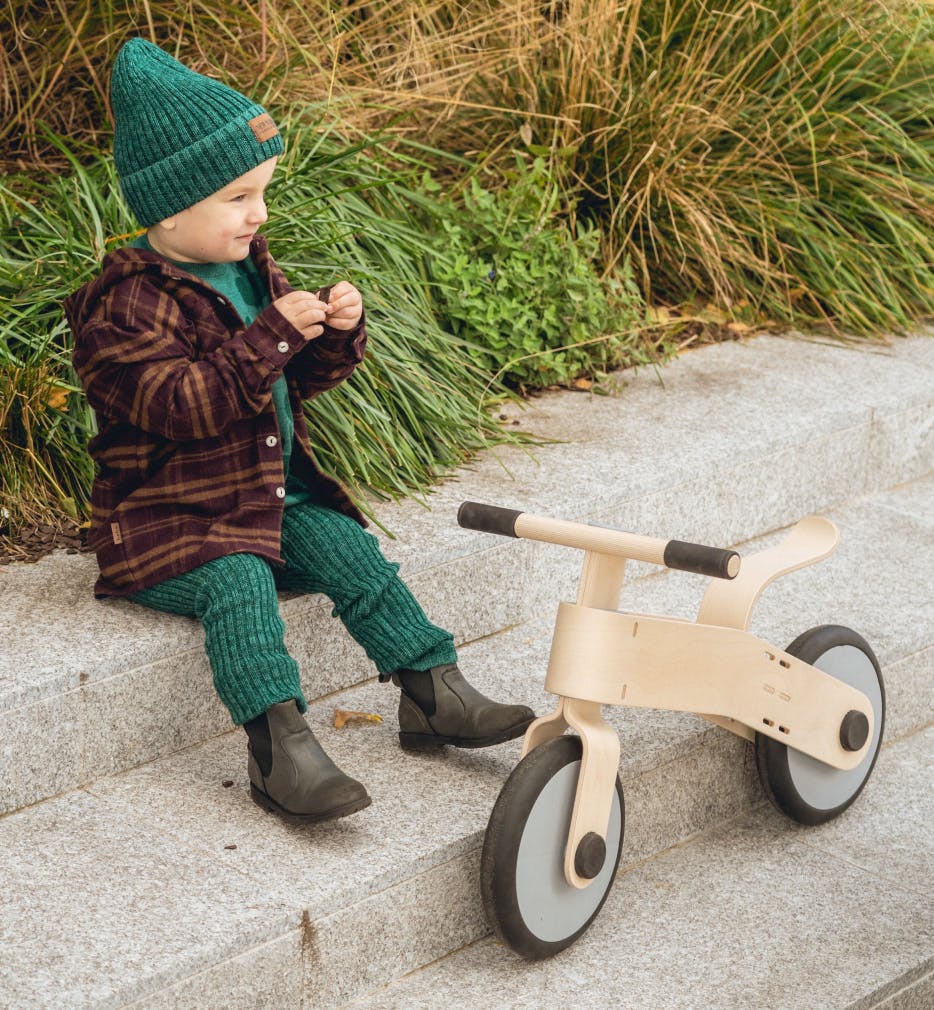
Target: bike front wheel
<point>529,903</point>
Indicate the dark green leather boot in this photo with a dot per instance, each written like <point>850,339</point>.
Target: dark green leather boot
<point>291,775</point>
<point>439,707</point>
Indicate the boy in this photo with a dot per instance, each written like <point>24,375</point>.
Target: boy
<point>196,354</point>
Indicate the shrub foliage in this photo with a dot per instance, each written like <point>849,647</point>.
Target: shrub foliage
<point>518,283</point>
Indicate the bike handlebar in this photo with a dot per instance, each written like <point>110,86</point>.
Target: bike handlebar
<point>686,557</point>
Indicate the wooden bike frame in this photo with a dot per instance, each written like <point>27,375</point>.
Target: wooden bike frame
<point>714,666</point>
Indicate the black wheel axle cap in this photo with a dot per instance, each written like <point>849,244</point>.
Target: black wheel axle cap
<point>590,856</point>
<point>854,730</point>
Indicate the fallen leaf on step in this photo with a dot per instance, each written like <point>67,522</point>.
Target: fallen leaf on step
<point>343,716</point>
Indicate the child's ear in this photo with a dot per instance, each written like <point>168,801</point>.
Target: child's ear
<point>169,223</point>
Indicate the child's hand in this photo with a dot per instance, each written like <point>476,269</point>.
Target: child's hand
<point>345,306</point>
<point>305,311</point>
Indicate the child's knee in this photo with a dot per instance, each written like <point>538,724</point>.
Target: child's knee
<point>236,581</point>
<point>328,540</point>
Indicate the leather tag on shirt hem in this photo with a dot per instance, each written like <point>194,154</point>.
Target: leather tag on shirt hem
<point>115,533</point>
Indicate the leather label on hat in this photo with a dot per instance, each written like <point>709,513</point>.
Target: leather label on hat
<point>263,127</point>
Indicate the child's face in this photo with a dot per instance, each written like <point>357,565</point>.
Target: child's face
<point>219,228</point>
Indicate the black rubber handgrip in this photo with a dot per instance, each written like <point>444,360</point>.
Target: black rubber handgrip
<point>487,518</point>
<point>711,561</point>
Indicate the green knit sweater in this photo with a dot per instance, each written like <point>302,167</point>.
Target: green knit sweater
<point>242,285</point>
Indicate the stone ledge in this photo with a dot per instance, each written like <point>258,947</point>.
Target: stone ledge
<point>412,856</point>
<point>88,688</point>
<point>755,913</point>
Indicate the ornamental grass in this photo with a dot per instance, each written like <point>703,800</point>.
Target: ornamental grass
<point>776,155</point>
<point>772,159</point>
<point>779,153</point>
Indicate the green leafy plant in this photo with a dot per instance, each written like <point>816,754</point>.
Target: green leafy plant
<point>522,286</point>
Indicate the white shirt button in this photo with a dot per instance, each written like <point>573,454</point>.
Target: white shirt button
<point>271,440</point>
<point>280,492</point>
<point>283,347</point>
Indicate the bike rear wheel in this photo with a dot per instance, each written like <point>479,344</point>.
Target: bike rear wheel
<point>803,788</point>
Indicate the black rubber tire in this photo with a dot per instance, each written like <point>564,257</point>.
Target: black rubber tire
<point>804,789</point>
<point>508,888</point>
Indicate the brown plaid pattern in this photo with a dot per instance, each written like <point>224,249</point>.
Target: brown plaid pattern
<point>188,454</point>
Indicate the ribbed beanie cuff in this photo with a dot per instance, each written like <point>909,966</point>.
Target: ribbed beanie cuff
<point>180,136</point>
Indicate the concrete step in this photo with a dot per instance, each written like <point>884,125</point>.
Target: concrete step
<point>756,914</point>
<point>726,443</point>
<point>160,887</point>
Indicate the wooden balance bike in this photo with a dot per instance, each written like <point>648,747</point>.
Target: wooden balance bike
<point>814,713</point>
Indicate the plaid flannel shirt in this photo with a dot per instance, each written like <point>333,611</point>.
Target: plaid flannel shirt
<point>188,454</point>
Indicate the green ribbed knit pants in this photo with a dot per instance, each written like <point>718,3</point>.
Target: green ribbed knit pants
<point>325,552</point>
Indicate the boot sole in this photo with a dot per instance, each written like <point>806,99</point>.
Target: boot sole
<point>267,803</point>
<point>425,741</point>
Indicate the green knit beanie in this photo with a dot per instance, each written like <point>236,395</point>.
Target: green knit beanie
<point>180,136</point>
